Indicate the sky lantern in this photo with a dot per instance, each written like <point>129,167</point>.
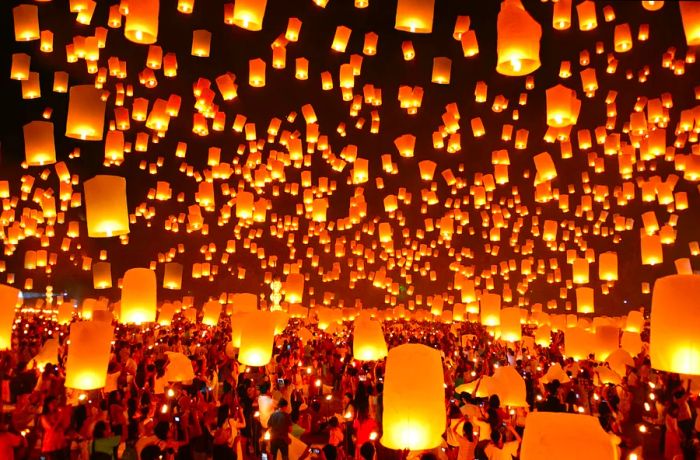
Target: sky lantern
<point>201,43</point>
<point>257,338</point>
<point>562,435</point>
<point>561,15</point>
<point>20,66</point>
<point>414,414</point>
<point>65,313</point>
<point>690,15</point>
<point>9,297</point>
<point>490,307</point>
<point>294,288</point>
<point>673,341</point>
<point>106,207</point>
<point>578,343</point>
<point>138,304</point>
<point>652,5</point>
<point>652,251</point>
<point>415,16</point>
<point>507,383</point>
<point>88,355</point>
<point>26,21</point>
<point>86,113</point>
<point>511,330</point>
<point>607,266</point>
<point>635,321</point>
<point>607,341</point>
<point>368,341</point>
<point>587,19</point>
<point>623,38</point>
<point>211,312</point>
<point>172,277</point>
<point>546,170</point>
<point>543,335</point>
<point>179,368</point>
<point>39,147</point>
<point>518,40</point>
<point>585,300</point>
<point>580,271</point>
<point>441,70</point>
<point>562,106</point>
<point>142,21</point>
<point>102,275</point>
<point>249,14</point>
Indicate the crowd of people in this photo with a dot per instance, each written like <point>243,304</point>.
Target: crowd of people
<point>314,400</point>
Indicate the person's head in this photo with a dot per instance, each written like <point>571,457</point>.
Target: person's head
<point>101,430</point>
<point>468,430</point>
<point>673,410</point>
<point>151,452</point>
<point>428,456</point>
<point>347,398</point>
<point>161,430</point>
<point>494,402</point>
<point>333,422</point>
<point>367,451</point>
<point>282,405</point>
<point>222,414</point>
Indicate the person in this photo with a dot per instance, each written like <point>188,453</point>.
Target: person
<point>223,447</point>
<point>499,449</point>
<point>54,445</point>
<point>9,442</point>
<point>366,451</point>
<point>364,426</point>
<point>280,425</point>
<point>467,442</point>
<point>672,438</point>
<point>103,442</point>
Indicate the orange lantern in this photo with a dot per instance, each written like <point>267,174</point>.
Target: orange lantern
<point>88,355</point>
<point>39,147</point>
<point>518,40</point>
<point>138,303</point>
<point>106,207</point>
<point>102,275</point>
<point>249,14</point>
<point>26,21</point>
<point>690,15</point>
<point>9,297</point>
<point>415,16</point>
<point>257,336</point>
<point>86,113</point>
<point>142,21</point>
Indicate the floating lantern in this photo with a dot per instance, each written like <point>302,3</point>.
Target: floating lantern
<point>138,303</point>
<point>172,278</point>
<point>39,147</point>
<point>690,15</point>
<point>179,368</point>
<point>9,298</point>
<point>86,113</point>
<point>490,309</point>
<point>511,330</point>
<point>414,414</point>
<point>102,275</point>
<point>518,40</point>
<point>142,21</point>
<point>257,336</point>
<point>26,21</point>
<point>584,300</point>
<point>211,312</point>
<point>562,106</point>
<point>415,16</point>
<point>105,206</point>
<point>88,355</point>
<point>249,14</point>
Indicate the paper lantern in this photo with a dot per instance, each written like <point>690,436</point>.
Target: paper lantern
<point>587,19</point>
<point>652,5</point>
<point>20,66</point>
<point>623,38</point>
<point>138,303</point>
<point>249,14</point>
<point>674,344</point>
<point>142,21</point>
<point>543,336</point>
<point>65,314</point>
<point>102,275</point>
<point>561,15</point>
<point>415,16</point>
<point>414,409</point>
<point>243,303</point>
<point>86,113</point>
<point>607,341</point>
<point>47,355</point>
<point>179,368</point>
<point>257,336</point>
<point>507,383</point>
<point>584,300</point>
<point>172,278</point>
<point>490,309</point>
<point>690,15</point>
<point>106,207</point>
<point>201,43</point>
<point>294,288</point>
<point>551,435</point>
<point>441,70</point>
<point>635,321</point>
<point>631,342</point>
<point>39,146</point>
<point>511,331</point>
<point>607,266</point>
<point>26,21</point>
<point>562,106</point>
<point>368,341</point>
<point>652,252</point>
<point>167,311</point>
<point>578,343</point>
<point>211,312</point>
<point>88,355</point>
<point>518,41</point>
<point>545,167</point>
<point>9,298</point>
<point>245,203</point>
<point>580,271</point>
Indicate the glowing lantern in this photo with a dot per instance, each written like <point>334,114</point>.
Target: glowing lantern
<point>623,38</point>
<point>105,206</point>
<point>415,16</point>
<point>414,414</point>
<point>490,309</point>
<point>584,300</point>
<point>405,145</point>
<point>561,435</point>
<point>652,252</point>
<point>211,312</point>
<point>368,342</point>
<point>507,383</point>
<point>543,336</point>
<point>179,368</point>
<point>587,19</point>
<point>172,278</point>
<point>578,343</point>
<point>652,5</point>
<point>39,147</point>
<point>138,303</point>
<point>690,15</point>
<point>341,38</point>
<point>294,288</point>
<point>562,106</point>
<point>201,43</point>
<point>561,17</point>
<point>9,297</point>
<point>256,75</point>
<point>102,275</point>
<point>26,19</point>
<point>88,355</point>
<point>257,336</point>
<point>518,40</point>
<point>142,21</point>
<point>249,14</point>
<point>20,66</point>
<point>580,271</point>
<point>510,324</point>
<point>635,321</point>
<point>545,167</point>
<point>673,343</point>
<point>441,70</point>
<point>86,113</point>
<point>607,266</point>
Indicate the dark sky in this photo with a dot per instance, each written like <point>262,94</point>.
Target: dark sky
<point>232,48</point>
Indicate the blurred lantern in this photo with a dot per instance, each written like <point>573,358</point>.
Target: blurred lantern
<point>105,206</point>
<point>507,383</point>
<point>415,16</point>
<point>102,275</point>
<point>88,355</point>
<point>39,146</point>
<point>179,368</point>
<point>257,336</point>
<point>142,21</point>
<point>518,40</point>
<point>86,113</point>
<point>138,303</point>
<point>490,309</point>
<point>511,330</point>
<point>562,106</point>
<point>414,415</point>
<point>674,344</point>
<point>249,14</point>
<point>9,297</point>
<point>561,435</point>
<point>65,313</point>
<point>211,312</point>
<point>26,21</point>
<point>172,278</point>
<point>690,15</point>
<point>652,5</point>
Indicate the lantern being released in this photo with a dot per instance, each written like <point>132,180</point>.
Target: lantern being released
<point>368,343</point>
<point>674,343</point>
<point>88,355</point>
<point>138,304</point>
<point>86,113</point>
<point>8,301</point>
<point>518,40</point>
<point>257,336</point>
<point>105,206</point>
<point>414,408</point>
